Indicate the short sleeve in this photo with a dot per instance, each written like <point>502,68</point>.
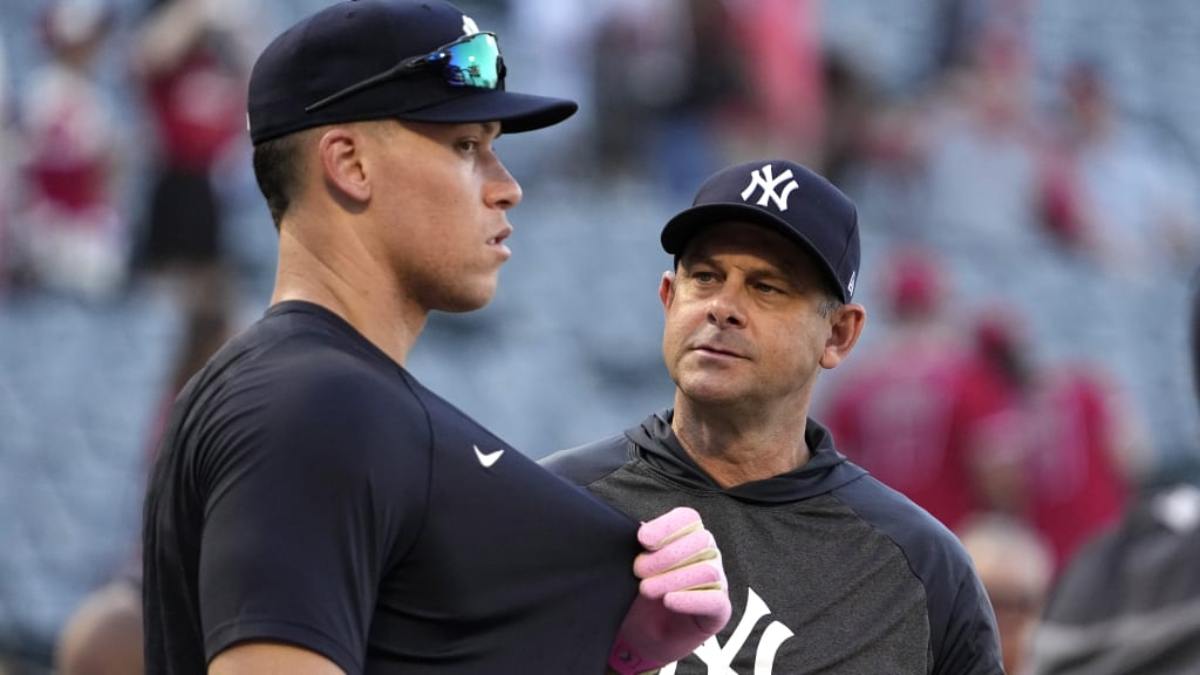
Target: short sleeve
<point>314,487</point>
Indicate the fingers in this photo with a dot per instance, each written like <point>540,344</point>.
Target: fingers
<point>668,527</point>
<point>710,609</point>
<point>701,576</point>
<point>692,548</point>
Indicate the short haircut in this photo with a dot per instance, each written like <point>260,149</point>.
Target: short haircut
<point>277,169</point>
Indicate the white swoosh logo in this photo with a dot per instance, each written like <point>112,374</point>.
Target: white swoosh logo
<point>487,459</point>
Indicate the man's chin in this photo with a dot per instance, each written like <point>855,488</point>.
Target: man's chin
<point>705,392</point>
<point>467,300</point>
<point>464,306</point>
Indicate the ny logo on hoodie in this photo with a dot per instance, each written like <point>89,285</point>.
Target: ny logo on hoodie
<point>719,658</point>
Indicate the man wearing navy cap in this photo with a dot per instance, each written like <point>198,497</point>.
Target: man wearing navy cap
<point>314,508</point>
<point>829,570</point>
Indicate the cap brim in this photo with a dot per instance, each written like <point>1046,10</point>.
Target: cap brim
<point>687,223</point>
<point>515,112</point>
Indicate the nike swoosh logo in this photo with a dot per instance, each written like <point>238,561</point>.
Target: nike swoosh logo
<point>487,459</point>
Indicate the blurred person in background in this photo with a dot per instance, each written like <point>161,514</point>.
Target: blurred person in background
<point>104,636</point>
<point>1110,193</point>
<point>1129,602</point>
<point>191,57</point>
<point>978,142</point>
<point>664,73</point>
<point>781,107</point>
<point>1061,455</point>
<point>1016,567</point>
<point>912,412</point>
<point>69,235</point>
<point>850,133</point>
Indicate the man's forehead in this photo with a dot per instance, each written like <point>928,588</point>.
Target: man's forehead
<point>736,237</point>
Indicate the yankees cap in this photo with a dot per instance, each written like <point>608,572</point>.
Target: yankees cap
<point>786,197</point>
<point>374,59</point>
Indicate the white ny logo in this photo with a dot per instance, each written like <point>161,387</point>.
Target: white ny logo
<point>469,27</point>
<point>768,182</point>
<point>720,659</point>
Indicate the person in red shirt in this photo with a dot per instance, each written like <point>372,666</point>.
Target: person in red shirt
<point>912,413</point>
<point>1076,486</point>
<point>189,57</point>
<point>1056,456</point>
<point>69,234</point>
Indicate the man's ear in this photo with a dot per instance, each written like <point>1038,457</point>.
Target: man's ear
<point>666,289</point>
<point>340,152</point>
<point>846,325</point>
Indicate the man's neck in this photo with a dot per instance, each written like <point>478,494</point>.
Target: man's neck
<point>735,448</point>
<point>355,289</point>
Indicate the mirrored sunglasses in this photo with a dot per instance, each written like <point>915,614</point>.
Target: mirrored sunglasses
<point>471,61</point>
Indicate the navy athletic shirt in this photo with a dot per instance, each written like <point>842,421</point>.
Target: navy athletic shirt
<point>829,570</point>
<point>310,491</point>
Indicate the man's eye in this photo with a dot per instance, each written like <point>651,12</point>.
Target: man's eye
<point>468,145</point>
<point>704,277</point>
<point>766,288</point>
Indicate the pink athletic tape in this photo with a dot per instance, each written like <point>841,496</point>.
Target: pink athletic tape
<point>705,575</point>
<point>692,548</point>
<point>663,529</point>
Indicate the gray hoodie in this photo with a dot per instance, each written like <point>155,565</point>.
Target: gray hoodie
<point>830,571</point>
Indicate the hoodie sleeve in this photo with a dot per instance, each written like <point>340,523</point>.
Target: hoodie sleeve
<point>589,463</point>
<point>962,627</point>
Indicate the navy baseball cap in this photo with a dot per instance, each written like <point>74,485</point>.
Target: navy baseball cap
<point>783,196</point>
<point>374,59</point>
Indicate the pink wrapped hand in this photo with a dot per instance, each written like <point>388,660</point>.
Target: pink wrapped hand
<point>683,598</point>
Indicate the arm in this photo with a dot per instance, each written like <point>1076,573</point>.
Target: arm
<point>167,35</point>
<point>304,512</point>
<point>267,658</point>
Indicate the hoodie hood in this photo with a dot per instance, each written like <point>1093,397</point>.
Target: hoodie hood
<point>826,470</point>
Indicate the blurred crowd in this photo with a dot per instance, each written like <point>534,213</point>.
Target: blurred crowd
<point>1028,242</point>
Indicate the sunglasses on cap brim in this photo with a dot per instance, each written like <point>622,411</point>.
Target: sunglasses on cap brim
<point>471,61</point>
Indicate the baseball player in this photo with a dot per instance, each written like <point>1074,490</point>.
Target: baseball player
<point>829,570</point>
<point>315,509</point>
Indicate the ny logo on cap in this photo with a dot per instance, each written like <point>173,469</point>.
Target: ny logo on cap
<point>469,26</point>
<point>764,178</point>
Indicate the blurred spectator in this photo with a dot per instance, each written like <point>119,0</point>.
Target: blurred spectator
<point>911,411</point>
<point>782,104</point>
<point>1077,443</point>
<point>851,101</point>
<point>961,24</point>
<point>1058,457</point>
<point>104,636</point>
<point>980,147</point>
<point>1015,567</point>
<point>189,54</point>
<point>663,72</point>
<point>69,236</point>
<point>1113,195</point>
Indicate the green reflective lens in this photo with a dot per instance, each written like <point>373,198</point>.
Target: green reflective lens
<point>474,62</point>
